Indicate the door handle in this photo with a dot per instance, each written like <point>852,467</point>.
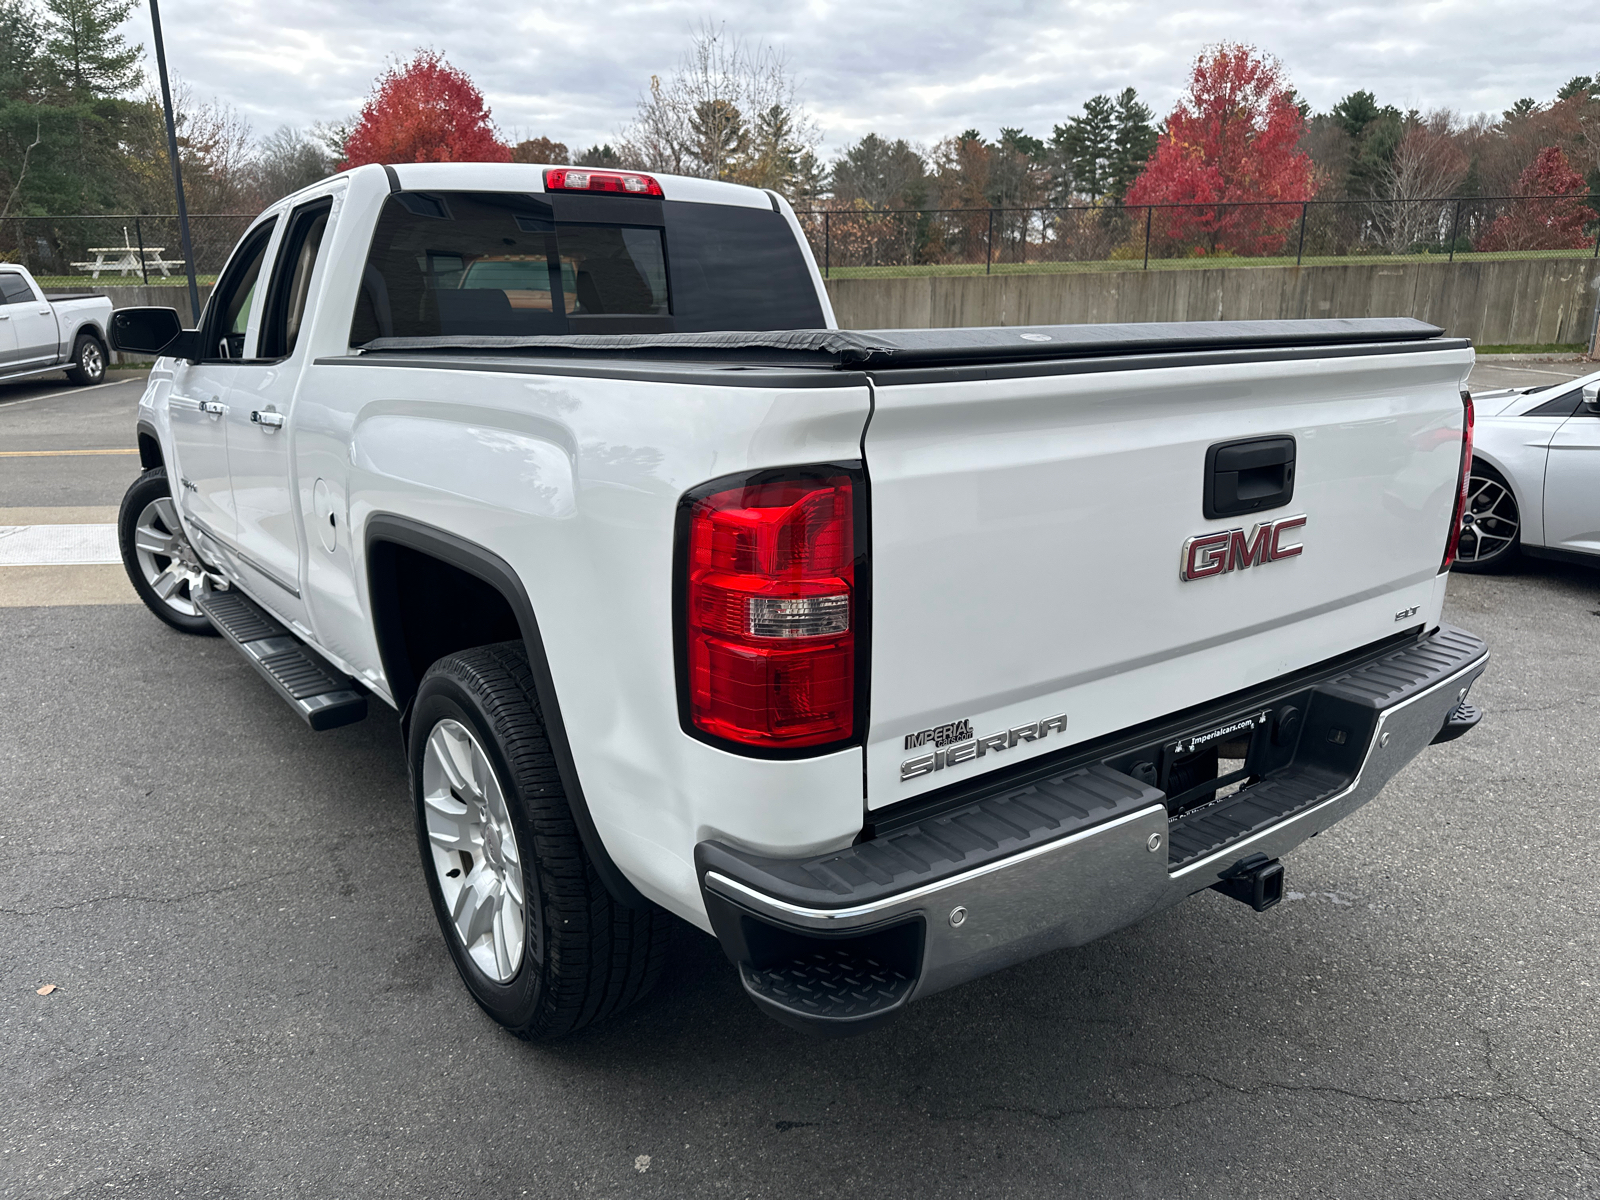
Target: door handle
<point>212,408</point>
<point>267,420</point>
<point>5,316</point>
<point>44,312</point>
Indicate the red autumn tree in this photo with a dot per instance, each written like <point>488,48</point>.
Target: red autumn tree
<point>1555,215</point>
<point>1230,143</point>
<point>424,111</point>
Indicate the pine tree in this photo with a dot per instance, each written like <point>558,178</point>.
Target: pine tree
<point>1085,147</point>
<point>1375,131</point>
<point>718,136</point>
<point>601,155</point>
<point>91,59</point>
<point>880,174</point>
<point>1135,142</point>
<point>20,36</point>
<point>774,152</point>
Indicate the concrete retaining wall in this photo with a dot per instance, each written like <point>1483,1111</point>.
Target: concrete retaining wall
<point>1522,302</point>
<point>1527,302</point>
<point>139,296</point>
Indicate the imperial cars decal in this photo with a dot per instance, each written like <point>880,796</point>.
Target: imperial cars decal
<point>1208,554</point>
<point>940,735</point>
<point>951,752</point>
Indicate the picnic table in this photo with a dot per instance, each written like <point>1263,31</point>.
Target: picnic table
<point>128,259</point>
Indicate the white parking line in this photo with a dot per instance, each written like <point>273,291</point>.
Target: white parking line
<point>7,405</point>
<point>58,545</point>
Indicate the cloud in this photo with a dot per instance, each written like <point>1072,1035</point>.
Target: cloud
<point>921,70</point>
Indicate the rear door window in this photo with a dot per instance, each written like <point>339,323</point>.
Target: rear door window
<point>14,289</point>
<point>512,264</point>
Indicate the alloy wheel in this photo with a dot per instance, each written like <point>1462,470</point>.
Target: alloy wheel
<point>474,850</point>
<point>1489,520</point>
<point>167,561</point>
<point>91,361</point>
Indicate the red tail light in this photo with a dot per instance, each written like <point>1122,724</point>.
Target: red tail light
<point>620,183</point>
<point>770,611</point>
<point>1461,491</point>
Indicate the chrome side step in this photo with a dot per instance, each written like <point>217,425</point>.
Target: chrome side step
<point>324,696</point>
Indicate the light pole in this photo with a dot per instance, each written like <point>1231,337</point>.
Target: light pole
<point>177,170</point>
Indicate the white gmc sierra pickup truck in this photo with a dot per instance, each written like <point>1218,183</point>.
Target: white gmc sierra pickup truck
<point>889,658</point>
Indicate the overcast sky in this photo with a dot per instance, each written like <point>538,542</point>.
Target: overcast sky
<point>921,69</point>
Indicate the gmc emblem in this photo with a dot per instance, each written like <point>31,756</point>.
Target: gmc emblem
<point>1208,554</point>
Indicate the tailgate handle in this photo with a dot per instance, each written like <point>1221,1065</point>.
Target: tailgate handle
<point>1248,476</point>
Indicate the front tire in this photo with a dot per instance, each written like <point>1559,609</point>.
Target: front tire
<point>88,361</point>
<point>163,567</point>
<point>1491,523</point>
<point>540,943</point>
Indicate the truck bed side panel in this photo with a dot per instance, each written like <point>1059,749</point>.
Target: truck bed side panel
<point>575,482</point>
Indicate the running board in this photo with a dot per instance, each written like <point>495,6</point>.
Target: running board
<point>324,697</point>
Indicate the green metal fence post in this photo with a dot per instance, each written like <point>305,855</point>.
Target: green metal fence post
<point>1148,213</point>
<point>1300,253</point>
<point>827,244</point>
<point>1455,223</point>
<point>988,246</point>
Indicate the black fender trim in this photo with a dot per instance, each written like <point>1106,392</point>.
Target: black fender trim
<point>385,529</point>
<point>150,454</point>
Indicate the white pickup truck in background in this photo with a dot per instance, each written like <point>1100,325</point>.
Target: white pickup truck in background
<point>40,333</point>
<point>889,658</point>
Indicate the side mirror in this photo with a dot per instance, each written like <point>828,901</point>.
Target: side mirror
<point>152,331</point>
<point>1591,397</point>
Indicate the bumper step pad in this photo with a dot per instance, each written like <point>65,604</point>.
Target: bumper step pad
<point>1348,704</point>
<point>837,983</point>
<point>324,696</point>
<point>1197,834</point>
<point>987,830</point>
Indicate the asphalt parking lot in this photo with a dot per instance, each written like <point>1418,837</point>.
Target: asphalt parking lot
<point>251,997</point>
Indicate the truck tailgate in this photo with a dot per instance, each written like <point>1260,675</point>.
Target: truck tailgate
<point>1028,523</point>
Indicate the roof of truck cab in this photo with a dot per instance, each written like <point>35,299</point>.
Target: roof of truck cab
<point>529,177</point>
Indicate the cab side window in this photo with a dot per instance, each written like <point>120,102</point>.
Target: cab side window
<point>14,289</point>
<point>228,315</point>
<point>291,282</point>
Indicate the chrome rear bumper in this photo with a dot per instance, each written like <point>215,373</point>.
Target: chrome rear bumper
<point>819,964</point>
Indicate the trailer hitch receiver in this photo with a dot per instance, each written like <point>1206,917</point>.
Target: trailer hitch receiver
<point>1256,881</point>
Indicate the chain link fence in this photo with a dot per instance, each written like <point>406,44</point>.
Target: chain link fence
<point>79,251</point>
<point>89,251</point>
<point>862,241</point>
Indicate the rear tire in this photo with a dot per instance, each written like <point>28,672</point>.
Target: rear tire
<point>540,943</point>
<point>88,360</point>
<point>1491,524</point>
<point>163,567</point>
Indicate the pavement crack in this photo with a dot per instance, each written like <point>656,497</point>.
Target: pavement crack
<point>1329,1089</point>
<point>1540,708</point>
<point>134,898</point>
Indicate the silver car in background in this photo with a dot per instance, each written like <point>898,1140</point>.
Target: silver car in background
<point>1535,483</point>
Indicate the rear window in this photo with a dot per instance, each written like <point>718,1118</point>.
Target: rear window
<point>503,263</point>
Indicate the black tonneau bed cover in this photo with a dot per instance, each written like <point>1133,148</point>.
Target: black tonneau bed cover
<point>901,349</point>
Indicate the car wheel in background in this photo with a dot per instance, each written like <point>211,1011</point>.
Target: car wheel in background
<point>88,360</point>
<point>540,943</point>
<point>164,568</point>
<point>1491,524</point>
